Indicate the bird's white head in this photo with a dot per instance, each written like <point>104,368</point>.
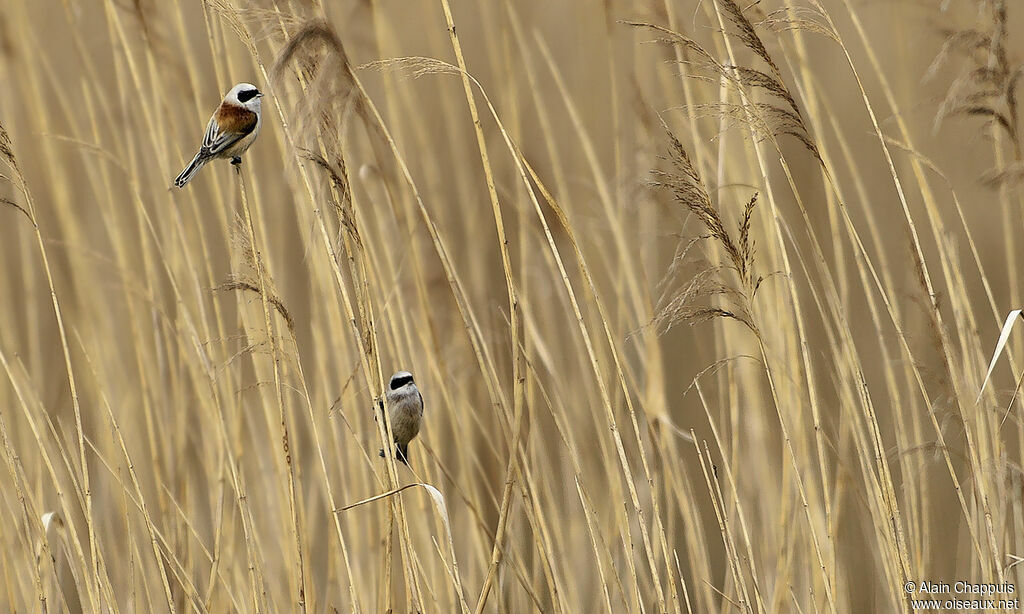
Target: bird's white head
<point>401,381</point>
<point>245,95</point>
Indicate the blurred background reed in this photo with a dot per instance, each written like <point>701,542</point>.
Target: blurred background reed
<point>699,294</point>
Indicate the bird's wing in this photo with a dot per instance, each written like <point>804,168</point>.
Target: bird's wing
<point>211,133</point>
<point>227,126</point>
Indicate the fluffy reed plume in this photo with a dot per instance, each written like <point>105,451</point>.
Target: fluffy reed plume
<point>774,120</point>
<point>766,120</point>
<point>7,154</point>
<point>683,181</point>
<point>797,18</point>
<point>746,33</point>
<point>249,286</point>
<point>987,87</point>
<point>320,59</point>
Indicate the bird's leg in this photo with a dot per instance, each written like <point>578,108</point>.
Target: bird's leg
<point>236,160</point>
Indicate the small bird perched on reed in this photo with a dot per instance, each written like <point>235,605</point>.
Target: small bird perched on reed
<point>405,412</point>
<point>232,129</point>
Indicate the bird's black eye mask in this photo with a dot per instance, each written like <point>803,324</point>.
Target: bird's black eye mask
<point>398,382</point>
<point>247,95</point>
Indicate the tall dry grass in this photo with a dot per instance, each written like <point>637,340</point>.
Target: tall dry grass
<point>700,296</point>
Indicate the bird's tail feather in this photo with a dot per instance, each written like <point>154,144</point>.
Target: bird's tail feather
<point>402,453</point>
<point>193,167</point>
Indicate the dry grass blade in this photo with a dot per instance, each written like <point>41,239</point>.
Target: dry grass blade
<point>1004,336</point>
<point>437,498</point>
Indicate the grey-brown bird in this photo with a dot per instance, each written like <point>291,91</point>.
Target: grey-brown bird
<point>232,129</point>
<point>405,411</point>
